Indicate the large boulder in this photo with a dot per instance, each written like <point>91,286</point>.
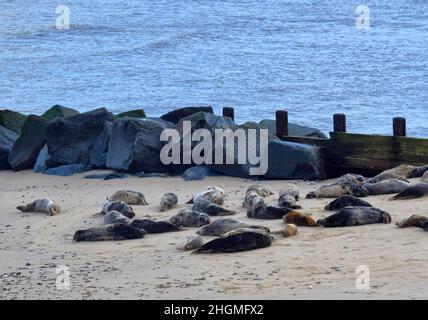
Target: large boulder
<point>7,139</point>
<point>138,113</point>
<point>176,115</point>
<point>135,146</point>
<point>42,159</point>
<point>293,129</point>
<point>100,148</point>
<point>67,170</point>
<point>12,120</point>
<point>26,149</point>
<point>58,111</point>
<point>70,140</point>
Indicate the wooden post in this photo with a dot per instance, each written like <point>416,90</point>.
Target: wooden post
<point>281,123</point>
<point>399,126</point>
<point>229,112</point>
<point>339,122</point>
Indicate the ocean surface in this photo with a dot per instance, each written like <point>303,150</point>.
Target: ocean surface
<point>305,56</point>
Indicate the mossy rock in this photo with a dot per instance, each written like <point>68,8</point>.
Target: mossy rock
<point>12,120</point>
<point>138,113</point>
<point>58,111</point>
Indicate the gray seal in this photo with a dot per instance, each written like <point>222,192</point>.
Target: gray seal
<point>224,225</point>
<point>129,197</point>
<point>114,216</point>
<point>414,220</point>
<point>119,206</point>
<point>346,201</point>
<point>355,216</point>
<point>348,184</point>
<point>386,186</point>
<point>151,226</point>
<point>237,240</point>
<point>189,218</point>
<point>416,191</point>
<point>193,242</point>
<point>168,201</point>
<point>417,172</point>
<point>41,205</point>
<point>212,209</point>
<point>118,231</point>
<point>262,191</point>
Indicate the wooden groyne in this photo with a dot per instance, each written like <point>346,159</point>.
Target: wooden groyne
<point>360,153</point>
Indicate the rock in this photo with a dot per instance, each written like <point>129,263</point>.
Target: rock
<point>198,173</point>
<point>106,176</point>
<point>100,147</point>
<point>293,129</point>
<point>179,114</point>
<point>12,120</point>
<point>58,111</point>
<point>135,146</point>
<point>68,170</point>
<point>70,140</point>
<point>42,159</point>
<point>138,113</point>
<point>151,175</point>
<point>7,139</point>
<point>289,160</point>
<point>26,149</point>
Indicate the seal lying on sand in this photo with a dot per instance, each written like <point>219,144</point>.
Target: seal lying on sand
<point>236,241</point>
<point>355,216</point>
<point>189,218</point>
<point>151,226</point>
<point>119,206</point>
<point>416,191</point>
<point>386,176</point>
<point>348,184</point>
<point>288,195</point>
<point>113,216</point>
<point>417,172</point>
<point>213,194</point>
<point>346,201</point>
<point>129,197</point>
<point>168,201</point>
<point>386,186</point>
<point>41,205</point>
<point>206,206</point>
<point>224,225</point>
<point>260,190</point>
<point>289,230</point>
<point>257,208</point>
<point>414,220</point>
<point>117,231</point>
<point>299,219</point>
<point>193,242</point>
<point>402,171</point>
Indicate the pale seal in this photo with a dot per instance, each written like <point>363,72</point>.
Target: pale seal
<point>129,197</point>
<point>346,201</point>
<point>119,206</point>
<point>237,240</point>
<point>193,242</point>
<point>151,226</point>
<point>299,219</point>
<point>348,184</point>
<point>355,216</point>
<point>414,221</point>
<point>212,209</point>
<point>213,194</point>
<point>118,231</point>
<point>262,191</point>
<point>386,176</point>
<point>189,218</point>
<point>41,205</point>
<point>289,230</point>
<point>386,186</point>
<point>224,225</point>
<point>168,201</point>
<point>113,216</point>
<point>416,191</point>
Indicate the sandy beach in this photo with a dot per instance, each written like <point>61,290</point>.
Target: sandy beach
<point>317,263</point>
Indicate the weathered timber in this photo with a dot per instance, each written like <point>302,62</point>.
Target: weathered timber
<point>281,117</point>
<point>229,112</point>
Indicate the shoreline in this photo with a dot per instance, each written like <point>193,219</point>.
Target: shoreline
<point>317,263</point>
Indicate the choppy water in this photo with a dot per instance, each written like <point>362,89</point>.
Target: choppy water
<point>305,56</point>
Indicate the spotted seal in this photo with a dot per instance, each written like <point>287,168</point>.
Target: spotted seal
<point>348,184</point>
<point>114,216</point>
<point>386,186</point>
<point>224,225</point>
<point>212,209</point>
<point>288,195</point>
<point>119,206</point>
<point>414,220</point>
<point>346,201</point>
<point>213,194</point>
<point>117,231</point>
<point>189,218</point>
<point>168,201</point>
<point>355,216</point>
<point>129,197</point>
<point>416,191</point>
<point>193,242</point>
<point>262,191</point>
<point>151,226</point>
<point>41,205</point>
<point>418,172</point>
<point>386,176</point>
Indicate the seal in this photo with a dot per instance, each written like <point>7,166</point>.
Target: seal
<point>237,240</point>
<point>416,191</point>
<point>151,226</point>
<point>117,231</point>
<point>193,242</point>
<point>402,171</point>
<point>189,218</point>
<point>129,197</point>
<point>299,219</point>
<point>267,212</point>
<point>289,230</point>
<point>212,209</point>
<point>348,184</point>
<point>288,195</point>
<point>168,201</point>
<point>346,201</point>
<point>418,172</point>
<point>262,191</point>
<point>386,186</point>
<point>119,206</point>
<point>41,205</point>
<point>213,194</point>
<point>414,220</point>
<point>386,176</point>
<point>425,177</point>
<point>113,217</point>
<point>355,216</point>
<point>224,225</point>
